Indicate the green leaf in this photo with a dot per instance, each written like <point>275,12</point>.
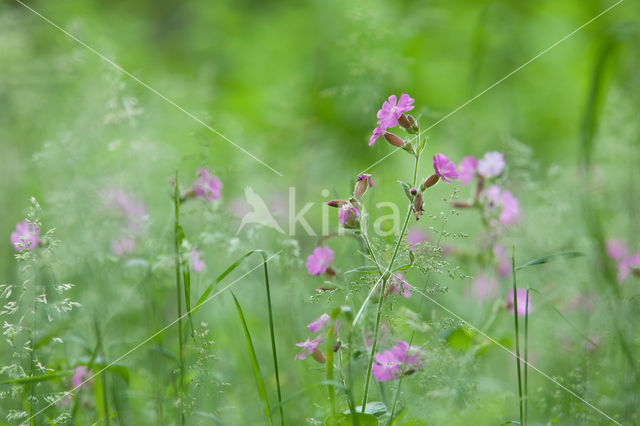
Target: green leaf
<point>460,339</point>
<point>551,257</point>
<point>365,269</point>
<point>40,378</point>
<point>262,391</point>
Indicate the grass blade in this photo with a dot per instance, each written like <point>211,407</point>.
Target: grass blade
<point>262,391</point>
<point>515,316</point>
<point>550,258</point>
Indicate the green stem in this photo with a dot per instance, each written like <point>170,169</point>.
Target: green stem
<point>330,368</point>
<point>176,203</point>
<point>34,333</point>
<point>526,357</point>
<point>515,316</point>
<point>385,279</point>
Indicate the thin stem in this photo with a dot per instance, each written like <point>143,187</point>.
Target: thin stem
<point>515,316</point>
<point>329,361</point>
<point>176,230</point>
<point>526,357</point>
<point>385,279</point>
<point>32,345</point>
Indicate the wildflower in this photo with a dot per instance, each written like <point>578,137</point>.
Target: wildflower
<point>323,322</point>
<point>377,132</point>
<point>207,185</point>
<point>416,236</point>
<point>401,351</point>
<point>444,168</point>
<point>616,249</point>
<point>491,165</point>
<point>467,170</point>
<point>386,367</point>
<point>122,246</point>
<point>348,216</point>
<point>196,262</point>
<point>398,285</point>
<point>484,287</point>
<point>521,294</point>
<point>418,205</point>
<point>320,260</point>
<point>26,236</point>
<point>310,347</point>
<point>504,263</point>
<point>392,109</point>
<point>133,211</point>
<point>364,182</point>
<point>80,374</point>
<point>510,209</point>
<point>627,266</point>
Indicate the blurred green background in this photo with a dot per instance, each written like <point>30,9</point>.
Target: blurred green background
<point>297,84</point>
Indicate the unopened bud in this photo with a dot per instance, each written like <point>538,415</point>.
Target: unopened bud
<point>363,183</point>
<point>409,148</point>
<point>409,123</point>
<point>318,356</point>
<point>414,191</point>
<point>461,205</point>
<point>394,140</point>
<point>431,180</point>
<point>337,346</point>
<point>418,203</point>
<point>336,203</point>
<point>348,217</point>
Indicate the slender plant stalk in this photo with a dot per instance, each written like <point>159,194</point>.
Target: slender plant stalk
<point>329,363</point>
<point>103,379</point>
<point>526,358</point>
<point>176,232</point>
<point>515,316</point>
<point>32,349</point>
<point>385,280</point>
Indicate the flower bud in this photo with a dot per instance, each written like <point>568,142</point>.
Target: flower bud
<point>409,123</point>
<point>461,205</point>
<point>336,203</point>
<point>318,356</point>
<point>394,140</point>
<point>348,217</point>
<point>418,203</point>
<point>414,192</point>
<point>409,148</point>
<point>431,180</point>
<point>363,183</point>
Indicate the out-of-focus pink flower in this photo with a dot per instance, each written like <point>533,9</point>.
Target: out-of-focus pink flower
<point>377,132</point>
<point>398,285</point>
<point>416,236</point>
<point>122,246</point>
<point>616,249</point>
<point>510,209</point>
<point>348,216</point>
<point>402,352</point>
<point>80,374</point>
<point>627,266</point>
<point>134,212</point>
<point>467,170</point>
<point>196,262</point>
<point>386,367</point>
<point>491,165</point>
<point>323,322</point>
<point>308,347</point>
<point>590,346</point>
<point>445,168</point>
<point>25,237</point>
<point>207,185</point>
<point>504,263</point>
<point>392,109</point>
<point>320,260</point>
<point>521,294</point>
<point>484,287</point>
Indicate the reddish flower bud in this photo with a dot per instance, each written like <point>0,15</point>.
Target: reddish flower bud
<point>431,180</point>
<point>414,192</point>
<point>461,205</point>
<point>318,356</point>
<point>418,204</point>
<point>394,140</point>
<point>337,203</point>
<point>409,123</point>
<point>363,183</point>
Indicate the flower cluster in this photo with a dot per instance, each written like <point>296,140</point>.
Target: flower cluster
<point>206,185</point>
<point>617,251</point>
<point>389,364</point>
<point>310,346</point>
<point>390,115</point>
<point>349,211</point>
<point>25,237</point>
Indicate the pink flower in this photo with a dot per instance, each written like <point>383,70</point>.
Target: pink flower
<point>484,287</point>
<point>491,165</point>
<point>366,177</point>
<point>323,322</point>
<point>398,285</point>
<point>467,169</point>
<point>627,266</point>
<point>207,185</point>
<point>80,374</point>
<point>510,209</point>
<point>386,367</point>
<point>392,109</point>
<point>308,347</point>
<point>401,351</point>
<point>377,132</point>
<point>504,263</point>
<point>25,237</point>
<point>616,249</point>
<point>521,294</point>
<point>122,246</point>
<point>416,236</point>
<point>196,262</point>
<point>320,260</point>
<point>134,212</point>
<point>444,168</point>
<point>348,216</point>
